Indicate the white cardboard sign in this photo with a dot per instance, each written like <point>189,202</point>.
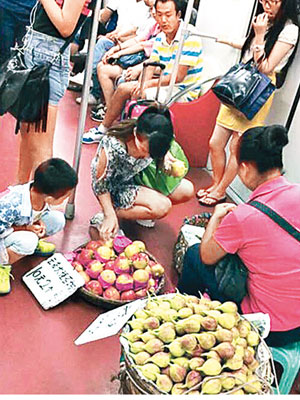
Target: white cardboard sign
<point>53,281</point>
<point>110,323</point>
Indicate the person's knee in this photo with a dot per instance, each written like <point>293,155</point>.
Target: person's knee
<point>55,221</point>
<point>188,190</point>
<point>24,242</point>
<point>161,208</point>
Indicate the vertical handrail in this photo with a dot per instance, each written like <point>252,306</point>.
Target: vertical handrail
<point>70,207</point>
<point>184,35</point>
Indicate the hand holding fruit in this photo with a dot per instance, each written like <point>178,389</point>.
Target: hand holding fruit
<point>38,228</point>
<point>109,227</point>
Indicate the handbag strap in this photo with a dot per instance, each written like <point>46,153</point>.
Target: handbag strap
<point>276,218</point>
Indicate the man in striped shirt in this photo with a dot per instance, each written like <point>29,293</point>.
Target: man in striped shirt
<point>168,16</point>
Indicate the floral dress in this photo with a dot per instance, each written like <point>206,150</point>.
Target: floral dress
<point>118,178</point>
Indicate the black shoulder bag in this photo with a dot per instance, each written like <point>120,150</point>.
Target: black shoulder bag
<point>24,92</point>
<point>231,273</point>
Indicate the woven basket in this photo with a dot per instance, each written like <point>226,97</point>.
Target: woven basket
<point>180,246</point>
<point>111,304</point>
<point>133,382</point>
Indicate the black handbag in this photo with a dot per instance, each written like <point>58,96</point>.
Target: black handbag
<point>24,92</point>
<point>231,275</point>
<point>128,60</point>
<point>244,88</point>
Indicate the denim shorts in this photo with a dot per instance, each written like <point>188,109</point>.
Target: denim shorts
<point>40,48</point>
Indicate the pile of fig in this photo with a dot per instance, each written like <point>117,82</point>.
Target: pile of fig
<point>187,345</point>
<point>119,269</point>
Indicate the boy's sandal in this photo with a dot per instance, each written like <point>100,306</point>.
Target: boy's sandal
<point>214,201</point>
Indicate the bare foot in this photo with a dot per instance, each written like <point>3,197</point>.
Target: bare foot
<point>204,192</point>
<point>212,199</point>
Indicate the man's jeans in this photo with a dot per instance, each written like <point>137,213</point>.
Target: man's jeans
<point>101,47</point>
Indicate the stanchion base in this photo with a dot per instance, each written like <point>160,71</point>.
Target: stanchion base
<point>70,211</point>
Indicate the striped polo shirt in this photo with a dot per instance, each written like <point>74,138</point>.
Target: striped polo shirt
<point>191,56</point>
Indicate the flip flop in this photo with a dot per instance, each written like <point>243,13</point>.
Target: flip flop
<point>203,192</point>
<point>213,203</point>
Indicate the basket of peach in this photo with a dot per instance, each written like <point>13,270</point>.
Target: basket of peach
<point>117,272</point>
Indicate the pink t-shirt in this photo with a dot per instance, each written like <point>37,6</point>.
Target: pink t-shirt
<point>148,38</point>
<point>271,255</point>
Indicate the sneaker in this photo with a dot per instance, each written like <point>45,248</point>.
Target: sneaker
<point>99,115</point>
<point>44,249</point>
<point>5,279</point>
<point>146,223</point>
<point>96,108</point>
<point>91,136</point>
<point>91,100</point>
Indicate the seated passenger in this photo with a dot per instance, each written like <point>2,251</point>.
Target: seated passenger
<point>167,14</point>
<point>126,150</point>
<point>133,15</point>
<point>270,254</point>
<point>110,74</point>
<point>26,217</point>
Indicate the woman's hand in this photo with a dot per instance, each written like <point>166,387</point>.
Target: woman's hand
<point>168,161</point>
<point>109,227</point>
<point>260,24</point>
<point>38,227</point>
<point>110,53</point>
<point>221,210</point>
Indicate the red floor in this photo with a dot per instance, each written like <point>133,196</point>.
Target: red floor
<point>38,355</point>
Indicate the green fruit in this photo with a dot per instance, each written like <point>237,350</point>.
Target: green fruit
<point>178,389</point>
<point>149,371</point>
<point>191,325</point>
<point>227,320</point>
<point>177,373</point>
<point>196,362</point>
<point>137,347</point>
<point>223,335</point>
<point>140,358</point>
<point>228,382</point>
<point>188,342</point>
<point>182,361</point>
<point>211,367</point>
<point>165,333</point>
<point>141,314</point>
<point>150,323</point>
<point>137,323</point>
<point>176,349</point>
<point>192,379</point>
<point>211,386</point>
<point>160,359</point>
<point>225,350</point>
<point>206,340</point>
<point>253,338</point>
<point>147,336</point>
<point>234,363</point>
<point>254,385</point>
<point>154,346</point>
<point>185,312</point>
<point>133,336</point>
<point>164,383</point>
<point>228,307</point>
<point>177,302</point>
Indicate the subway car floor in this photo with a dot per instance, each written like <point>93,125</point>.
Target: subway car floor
<point>38,354</point>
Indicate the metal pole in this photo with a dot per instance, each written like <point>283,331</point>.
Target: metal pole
<point>70,207</point>
<point>184,35</point>
<point>293,109</point>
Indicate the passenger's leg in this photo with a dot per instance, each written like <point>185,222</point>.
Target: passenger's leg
<point>149,204</point>
<point>35,147</point>
<point>20,244</point>
<point>54,221</point>
<point>230,173</point>
<point>197,276</point>
<point>101,47</point>
<point>121,95</point>
<point>184,192</point>
<point>217,146</point>
<point>106,75</point>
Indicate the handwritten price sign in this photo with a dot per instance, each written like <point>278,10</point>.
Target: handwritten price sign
<point>53,281</point>
<point>110,323</point>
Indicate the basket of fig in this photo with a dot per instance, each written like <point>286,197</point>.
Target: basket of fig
<point>117,272</point>
<point>182,344</point>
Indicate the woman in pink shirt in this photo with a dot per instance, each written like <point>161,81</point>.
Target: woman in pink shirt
<point>270,254</point>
